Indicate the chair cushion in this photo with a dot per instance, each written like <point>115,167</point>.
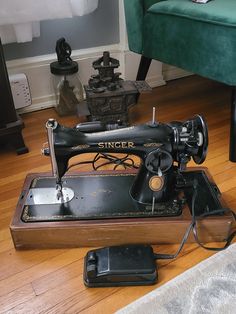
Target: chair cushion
<point>216,11</point>
<point>200,38</point>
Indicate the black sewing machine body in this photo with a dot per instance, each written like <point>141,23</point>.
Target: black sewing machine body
<point>158,146</point>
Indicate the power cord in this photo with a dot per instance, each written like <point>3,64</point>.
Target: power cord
<point>126,162</point>
<point>193,227</point>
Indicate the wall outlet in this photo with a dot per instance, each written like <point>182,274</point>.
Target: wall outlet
<point>20,90</point>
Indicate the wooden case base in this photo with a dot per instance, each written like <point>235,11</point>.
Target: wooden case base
<point>105,232</point>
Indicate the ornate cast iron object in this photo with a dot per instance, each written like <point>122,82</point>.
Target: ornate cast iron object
<point>108,97</point>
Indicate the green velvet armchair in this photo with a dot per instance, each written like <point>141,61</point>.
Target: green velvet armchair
<point>200,38</point>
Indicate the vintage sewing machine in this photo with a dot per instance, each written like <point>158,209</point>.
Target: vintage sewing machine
<point>158,145</point>
<point>151,204</point>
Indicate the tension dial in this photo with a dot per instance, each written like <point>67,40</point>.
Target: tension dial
<point>158,161</point>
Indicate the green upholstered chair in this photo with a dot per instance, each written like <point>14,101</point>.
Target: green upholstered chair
<point>200,38</point>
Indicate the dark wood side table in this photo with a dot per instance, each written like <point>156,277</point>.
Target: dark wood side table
<point>11,124</point>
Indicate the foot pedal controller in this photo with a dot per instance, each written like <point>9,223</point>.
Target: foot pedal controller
<point>125,265</point>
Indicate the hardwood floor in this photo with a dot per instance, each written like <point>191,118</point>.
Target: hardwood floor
<point>50,281</point>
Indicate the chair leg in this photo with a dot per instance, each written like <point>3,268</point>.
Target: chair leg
<point>232,145</point>
<point>143,68</point>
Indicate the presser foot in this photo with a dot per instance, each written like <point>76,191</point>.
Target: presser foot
<point>59,189</point>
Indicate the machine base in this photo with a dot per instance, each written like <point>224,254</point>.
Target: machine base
<point>103,213</point>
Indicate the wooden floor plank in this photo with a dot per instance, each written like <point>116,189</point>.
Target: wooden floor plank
<point>15,298</point>
<point>55,260</point>
<point>6,245</point>
<point>14,262</point>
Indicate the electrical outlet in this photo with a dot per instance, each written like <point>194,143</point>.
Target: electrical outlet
<point>20,90</point>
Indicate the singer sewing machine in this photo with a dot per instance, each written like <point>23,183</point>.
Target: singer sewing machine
<point>151,204</point>
<point>158,146</point>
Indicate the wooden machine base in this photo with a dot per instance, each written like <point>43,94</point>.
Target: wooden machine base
<point>55,232</point>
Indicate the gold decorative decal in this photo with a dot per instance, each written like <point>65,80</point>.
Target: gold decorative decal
<point>152,145</point>
<point>156,183</point>
<point>26,216</point>
<point>83,146</point>
<point>116,145</point>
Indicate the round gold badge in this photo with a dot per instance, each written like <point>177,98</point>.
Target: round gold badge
<point>156,183</point>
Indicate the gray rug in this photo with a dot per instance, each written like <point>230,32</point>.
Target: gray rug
<point>209,287</point>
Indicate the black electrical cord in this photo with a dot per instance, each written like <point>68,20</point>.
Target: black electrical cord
<point>78,164</point>
<point>127,162</point>
<point>192,227</point>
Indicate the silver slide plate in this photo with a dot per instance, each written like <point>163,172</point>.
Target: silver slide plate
<point>47,196</point>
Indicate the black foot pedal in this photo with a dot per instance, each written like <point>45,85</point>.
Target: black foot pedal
<point>126,265</point>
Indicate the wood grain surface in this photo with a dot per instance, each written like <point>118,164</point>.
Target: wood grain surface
<point>50,281</point>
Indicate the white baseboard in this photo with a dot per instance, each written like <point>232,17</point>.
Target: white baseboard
<point>171,73</point>
<point>37,70</point>
<point>39,103</point>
